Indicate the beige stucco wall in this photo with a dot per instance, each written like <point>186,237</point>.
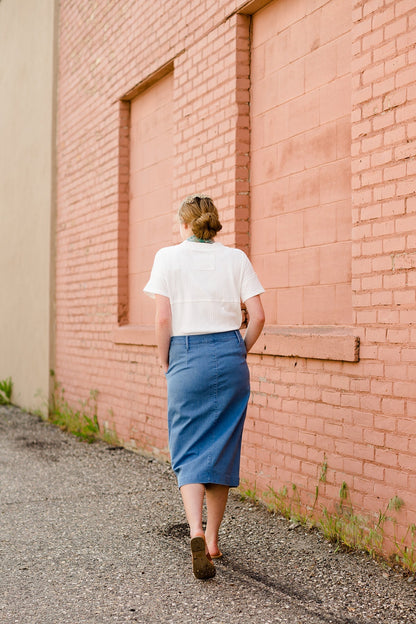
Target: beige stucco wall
<point>27,137</point>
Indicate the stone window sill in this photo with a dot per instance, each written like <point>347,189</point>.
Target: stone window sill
<point>140,335</point>
<point>315,342</point>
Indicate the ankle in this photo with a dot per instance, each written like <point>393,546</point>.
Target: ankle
<point>212,538</point>
<point>212,544</point>
<point>198,532</point>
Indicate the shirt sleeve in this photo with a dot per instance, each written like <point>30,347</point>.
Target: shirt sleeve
<point>250,283</point>
<point>157,284</point>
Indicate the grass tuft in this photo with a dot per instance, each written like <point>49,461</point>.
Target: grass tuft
<point>82,422</point>
<point>343,526</point>
<point>6,390</point>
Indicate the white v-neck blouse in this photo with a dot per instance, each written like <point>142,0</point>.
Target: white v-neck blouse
<point>205,284</point>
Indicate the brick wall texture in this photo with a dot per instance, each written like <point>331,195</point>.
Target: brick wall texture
<point>298,116</point>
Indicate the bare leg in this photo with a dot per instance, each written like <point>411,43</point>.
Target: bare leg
<point>217,496</point>
<point>193,500</point>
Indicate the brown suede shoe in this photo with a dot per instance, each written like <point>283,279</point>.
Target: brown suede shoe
<point>202,566</point>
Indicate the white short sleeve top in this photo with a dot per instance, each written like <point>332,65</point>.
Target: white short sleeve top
<point>205,283</point>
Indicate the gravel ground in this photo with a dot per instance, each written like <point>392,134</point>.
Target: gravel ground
<point>90,534</point>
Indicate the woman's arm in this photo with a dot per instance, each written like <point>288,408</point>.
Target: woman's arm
<point>163,327</point>
<point>256,320</point>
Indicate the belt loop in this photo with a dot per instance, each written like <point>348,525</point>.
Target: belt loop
<point>187,343</point>
<point>237,333</point>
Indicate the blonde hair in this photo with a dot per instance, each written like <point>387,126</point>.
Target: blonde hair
<point>200,213</point>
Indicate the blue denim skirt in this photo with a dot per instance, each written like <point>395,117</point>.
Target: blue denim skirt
<point>208,391</point>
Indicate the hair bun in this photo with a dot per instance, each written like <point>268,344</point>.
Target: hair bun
<point>200,213</point>
<point>205,219</point>
<point>206,226</point>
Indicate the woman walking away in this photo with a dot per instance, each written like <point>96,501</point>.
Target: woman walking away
<point>199,286</point>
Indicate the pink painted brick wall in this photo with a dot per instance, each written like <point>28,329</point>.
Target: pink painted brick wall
<point>150,190</point>
<point>300,179</point>
<point>360,416</point>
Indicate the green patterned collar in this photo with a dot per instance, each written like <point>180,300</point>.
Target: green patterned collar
<point>194,239</point>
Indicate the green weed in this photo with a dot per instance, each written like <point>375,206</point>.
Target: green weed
<point>6,389</point>
<point>289,505</point>
<point>247,493</point>
<point>406,555</point>
<point>343,526</point>
<point>82,422</point>
<point>109,435</point>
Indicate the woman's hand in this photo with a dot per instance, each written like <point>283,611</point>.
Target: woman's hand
<point>256,320</point>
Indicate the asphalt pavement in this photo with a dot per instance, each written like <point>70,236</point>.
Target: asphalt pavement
<point>92,534</point>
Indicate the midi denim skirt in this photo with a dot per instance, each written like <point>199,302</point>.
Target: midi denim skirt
<point>208,391</point>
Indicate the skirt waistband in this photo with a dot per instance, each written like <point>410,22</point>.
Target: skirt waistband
<point>195,339</point>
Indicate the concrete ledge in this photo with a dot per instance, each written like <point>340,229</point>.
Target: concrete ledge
<point>322,342</point>
<point>141,335</point>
